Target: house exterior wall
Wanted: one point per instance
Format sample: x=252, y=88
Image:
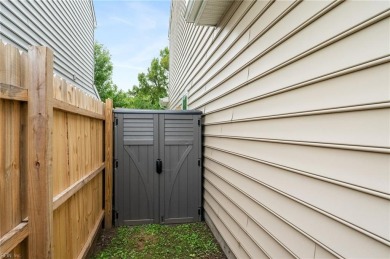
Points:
x=295, y=96
x=67, y=27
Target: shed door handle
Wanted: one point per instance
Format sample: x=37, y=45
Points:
x=159, y=166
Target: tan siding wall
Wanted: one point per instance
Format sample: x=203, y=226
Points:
x=296, y=97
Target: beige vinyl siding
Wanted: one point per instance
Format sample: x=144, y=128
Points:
x=296, y=102
x=65, y=26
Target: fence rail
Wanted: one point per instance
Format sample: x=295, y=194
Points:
x=55, y=160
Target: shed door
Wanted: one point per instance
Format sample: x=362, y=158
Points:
x=136, y=183
x=180, y=182
x=141, y=194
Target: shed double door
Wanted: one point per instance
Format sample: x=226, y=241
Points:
x=157, y=168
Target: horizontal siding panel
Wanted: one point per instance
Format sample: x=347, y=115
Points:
x=196, y=37
x=361, y=209
x=189, y=42
x=296, y=103
x=364, y=169
x=248, y=245
x=23, y=39
x=56, y=14
x=347, y=52
x=251, y=228
x=228, y=236
x=236, y=57
x=7, y=36
x=202, y=47
x=370, y=128
x=343, y=51
x=326, y=230
x=43, y=28
x=342, y=91
x=33, y=23
x=280, y=230
x=220, y=36
x=236, y=39
x=322, y=253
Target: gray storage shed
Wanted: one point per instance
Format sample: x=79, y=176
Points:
x=157, y=169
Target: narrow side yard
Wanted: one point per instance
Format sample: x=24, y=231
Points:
x=158, y=241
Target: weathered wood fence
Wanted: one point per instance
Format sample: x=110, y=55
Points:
x=55, y=160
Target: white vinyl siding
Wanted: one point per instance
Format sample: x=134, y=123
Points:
x=65, y=26
x=296, y=102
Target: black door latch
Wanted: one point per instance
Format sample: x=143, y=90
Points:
x=159, y=166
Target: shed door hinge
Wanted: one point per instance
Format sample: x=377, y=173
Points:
x=198, y=122
x=116, y=163
x=162, y=219
x=116, y=122
x=199, y=162
x=200, y=212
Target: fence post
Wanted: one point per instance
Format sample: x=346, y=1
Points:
x=40, y=158
x=108, y=170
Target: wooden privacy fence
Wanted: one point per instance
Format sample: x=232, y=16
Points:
x=55, y=160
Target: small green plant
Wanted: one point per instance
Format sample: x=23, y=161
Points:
x=162, y=241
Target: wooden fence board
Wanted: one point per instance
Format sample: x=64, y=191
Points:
x=76, y=110
x=12, y=92
x=91, y=236
x=108, y=171
x=14, y=138
x=11, y=188
x=64, y=162
x=75, y=187
x=14, y=237
x=13, y=64
x=40, y=125
x=23, y=159
x=60, y=152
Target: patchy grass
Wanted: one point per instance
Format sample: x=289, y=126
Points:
x=160, y=241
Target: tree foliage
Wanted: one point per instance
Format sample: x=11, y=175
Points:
x=153, y=85
x=103, y=78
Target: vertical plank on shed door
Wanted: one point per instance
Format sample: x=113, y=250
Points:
x=108, y=169
x=40, y=116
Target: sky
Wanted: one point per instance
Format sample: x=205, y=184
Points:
x=134, y=32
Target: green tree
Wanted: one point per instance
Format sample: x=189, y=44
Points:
x=153, y=85
x=103, y=78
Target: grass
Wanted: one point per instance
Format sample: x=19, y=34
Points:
x=162, y=241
